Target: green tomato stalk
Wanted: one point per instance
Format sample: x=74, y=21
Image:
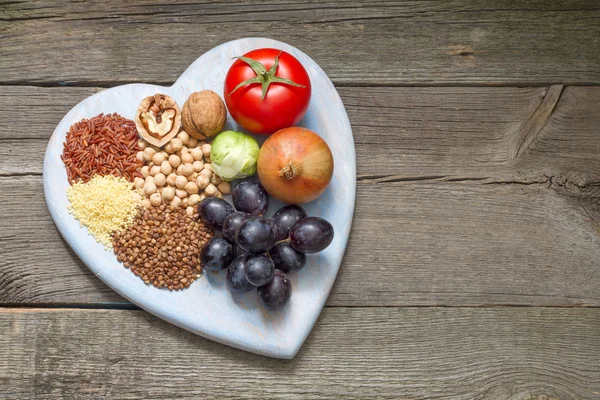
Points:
x=264, y=77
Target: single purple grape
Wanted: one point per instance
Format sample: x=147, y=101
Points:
x=236, y=277
x=216, y=254
x=259, y=269
x=275, y=294
x=256, y=235
x=250, y=197
x=311, y=235
x=286, y=258
x=213, y=212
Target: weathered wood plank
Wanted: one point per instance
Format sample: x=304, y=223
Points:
x=412, y=243
x=400, y=133
x=358, y=353
x=419, y=42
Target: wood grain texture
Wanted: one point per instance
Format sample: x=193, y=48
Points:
x=412, y=243
x=363, y=42
x=467, y=196
x=358, y=353
x=536, y=121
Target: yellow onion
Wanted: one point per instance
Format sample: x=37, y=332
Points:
x=295, y=165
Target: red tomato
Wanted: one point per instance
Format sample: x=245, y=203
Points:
x=284, y=103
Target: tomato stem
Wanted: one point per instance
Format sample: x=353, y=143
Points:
x=264, y=77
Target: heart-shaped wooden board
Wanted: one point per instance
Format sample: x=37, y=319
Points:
x=207, y=308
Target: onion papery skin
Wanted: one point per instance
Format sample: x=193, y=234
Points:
x=295, y=165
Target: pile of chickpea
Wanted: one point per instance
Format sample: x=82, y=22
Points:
x=180, y=174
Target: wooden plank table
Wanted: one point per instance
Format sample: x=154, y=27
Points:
x=473, y=267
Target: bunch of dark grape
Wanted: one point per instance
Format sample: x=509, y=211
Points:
x=258, y=252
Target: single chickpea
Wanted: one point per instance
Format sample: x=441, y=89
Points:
x=200, y=144
x=145, y=171
x=191, y=188
x=156, y=199
x=184, y=137
x=192, y=143
x=184, y=150
x=202, y=197
x=182, y=194
x=171, y=179
x=150, y=164
x=188, y=169
x=168, y=193
x=181, y=181
x=174, y=160
x=140, y=156
x=211, y=190
x=149, y=178
x=207, y=173
x=135, y=196
x=142, y=144
x=176, y=144
x=154, y=170
x=176, y=202
x=202, y=181
x=224, y=187
x=189, y=210
x=206, y=149
x=169, y=148
x=184, y=202
x=179, y=170
x=219, y=195
x=160, y=179
x=158, y=158
x=149, y=188
x=215, y=179
x=196, y=153
x=138, y=183
x=198, y=166
x=149, y=153
x=166, y=168
x=187, y=158
x=191, y=178
x=208, y=166
x=193, y=199
x=146, y=203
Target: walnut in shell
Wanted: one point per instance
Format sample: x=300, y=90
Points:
x=204, y=114
x=158, y=119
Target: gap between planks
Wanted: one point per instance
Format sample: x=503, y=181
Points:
x=28, y=307
x=344, y=84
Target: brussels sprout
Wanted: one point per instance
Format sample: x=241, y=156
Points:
x=233, y=155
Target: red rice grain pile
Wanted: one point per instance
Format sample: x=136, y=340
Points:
x=102, y=145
